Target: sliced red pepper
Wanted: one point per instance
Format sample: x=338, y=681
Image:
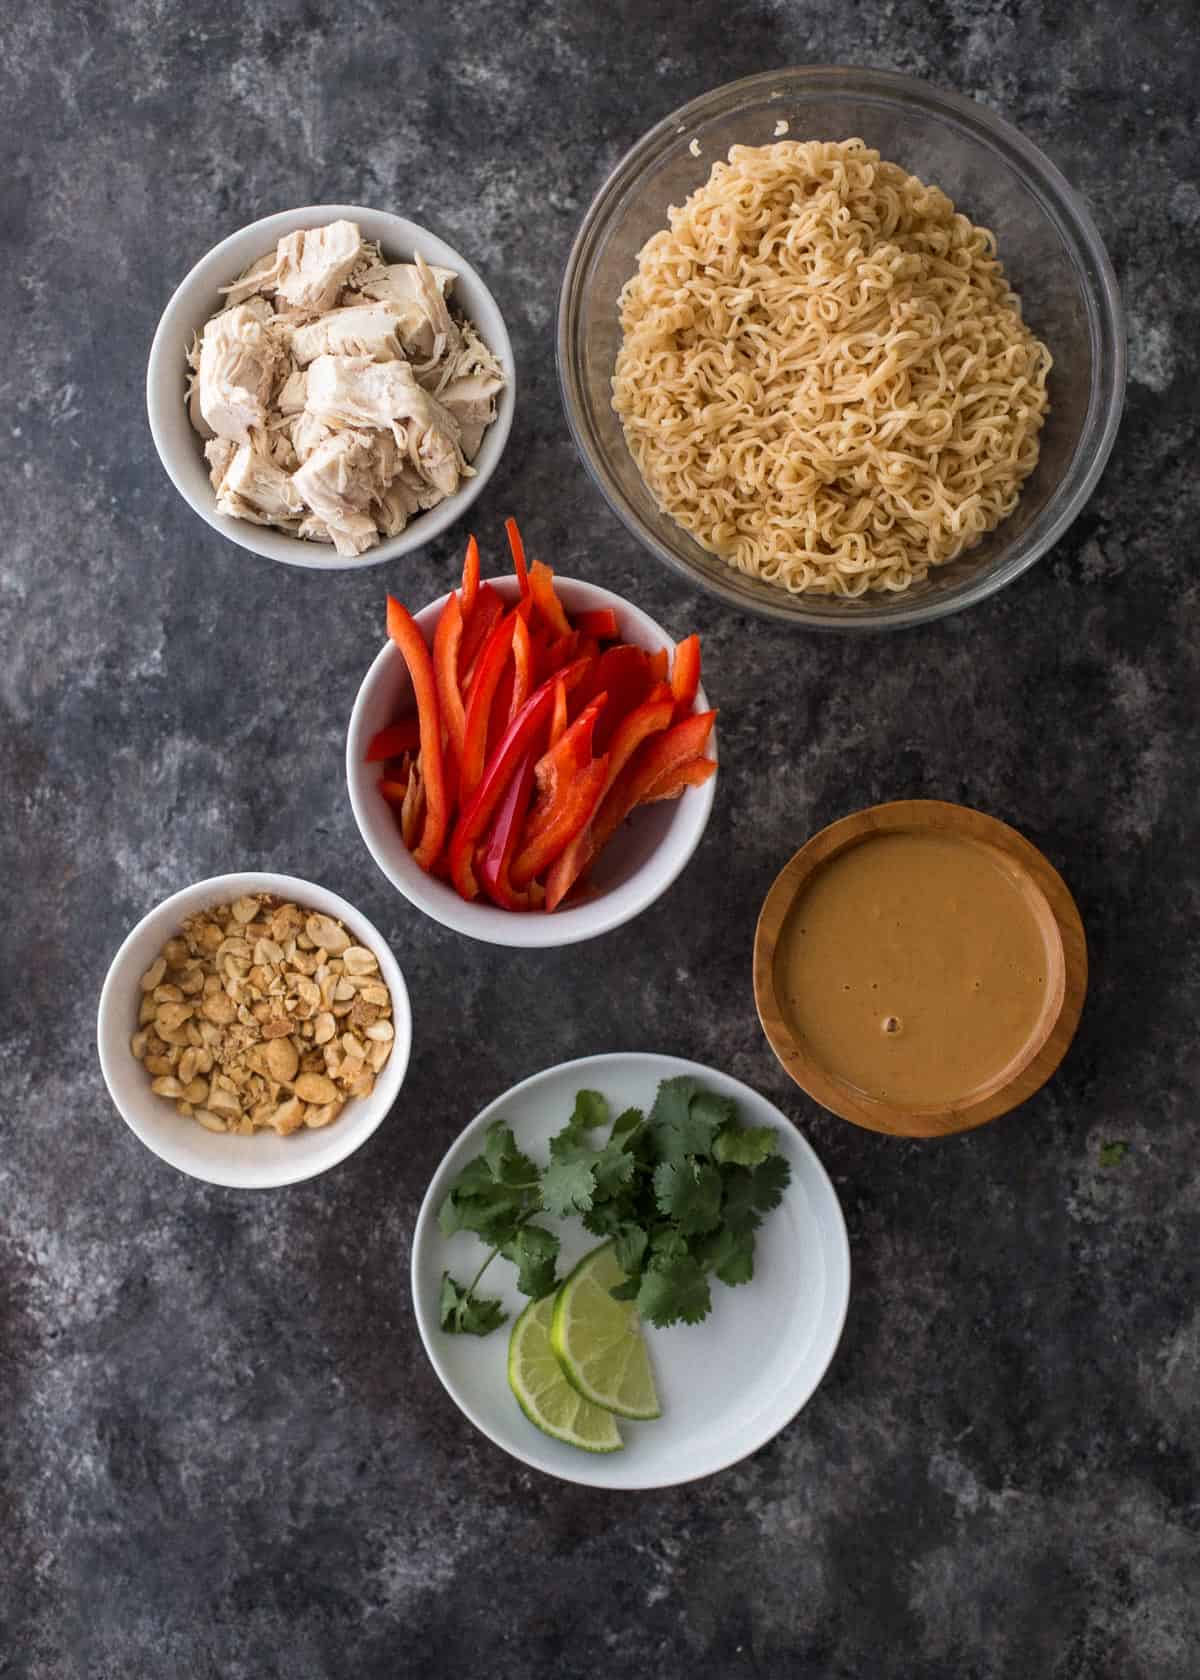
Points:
x=496, y=854
x=470, y=580
x=524, y=733
x=558, y=718
x=447, y=642
x=404, y=631
x=574, y=808
x=517, y=548
x=541, y=587
x=552, y=656
x=392, y=791
x=624, y=674
x=522, y=647
x=395, y=740
x=486, y=614
x=489, y=671
x=659, y=665
x=685, y=675
x=652, y=761
x=560, y=764
x=675, y=782
x=652, y=716
x=600, y=622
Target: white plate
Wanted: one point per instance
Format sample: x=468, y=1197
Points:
x=726, y=1385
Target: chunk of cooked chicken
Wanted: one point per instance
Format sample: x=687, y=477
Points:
x=370, y=329
x=307, y=433
x=419, y=301
x=308, y=269
x=218, y=452
x=254, y=488
x=339, y=481
x=352, y=391
x=292, y=394
x=472, y=401
x=238, y=358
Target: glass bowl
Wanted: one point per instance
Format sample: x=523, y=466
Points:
x=1051, y=252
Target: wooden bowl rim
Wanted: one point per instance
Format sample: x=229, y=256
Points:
x=922, y=816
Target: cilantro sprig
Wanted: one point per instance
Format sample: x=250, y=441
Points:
x=681, y=1191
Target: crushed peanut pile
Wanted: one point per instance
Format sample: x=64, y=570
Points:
x=263, y=1014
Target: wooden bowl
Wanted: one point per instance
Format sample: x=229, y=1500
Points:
x=1059, y=923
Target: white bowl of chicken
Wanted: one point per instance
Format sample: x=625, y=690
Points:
x=331, y=387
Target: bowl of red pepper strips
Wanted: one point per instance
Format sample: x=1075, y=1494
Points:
x=531, y=759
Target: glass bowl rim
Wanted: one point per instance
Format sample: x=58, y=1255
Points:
x=1057, y=199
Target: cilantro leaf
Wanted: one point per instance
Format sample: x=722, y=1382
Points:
x=630, y=1247
x=534, y=1251
x=667, y=1244
x=462, y=1313
x=689, y=1192
x=680, y=1125
x=615, y=1169
x=568, y=1184
x=591, y=1110
x=728, y=1253
x=710, y=1108
x=604, y=1219
x=745, y=1146
x=492, y=1212
x=751, y=1192
x=505, y=1161
x=674, y=1290
x=626, y=1122
x=627, y=1291
x=1112, y=1154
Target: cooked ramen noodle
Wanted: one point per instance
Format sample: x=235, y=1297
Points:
x=824, y=374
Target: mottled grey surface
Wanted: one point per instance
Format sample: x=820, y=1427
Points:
x=224, y=1452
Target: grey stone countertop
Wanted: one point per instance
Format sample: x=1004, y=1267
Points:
x=224, y=1452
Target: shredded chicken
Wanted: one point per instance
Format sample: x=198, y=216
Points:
x=339, y=395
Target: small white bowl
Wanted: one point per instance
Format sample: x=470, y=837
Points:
x=637, y=866
x=263, y=1161
x=197, y=299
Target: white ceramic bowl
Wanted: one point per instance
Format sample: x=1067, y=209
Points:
x=263, y=1161
x=726, y=1385
x=180, y=448
x=635, y=868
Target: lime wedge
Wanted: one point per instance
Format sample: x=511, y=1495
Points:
x=598, y=1341
x=545, y=1395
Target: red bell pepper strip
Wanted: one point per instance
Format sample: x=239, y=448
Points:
x=490, y=669
x=559, y=765
x=573, y=809
x=624, y=674
x=558, y=718
x=652, y=761
x=447, y=641
x=541, y=587
x=675, y=782
x=523, y=733
x=403, y=630
x=652, y=716
x=522, y=647
x=685, y=675
x=658, y=665
x=486, y=614
x=552, y=656
x=470, y=580
x=517, y=548
x=601, y=622
x=496, y=854
x=395, y=740
x=392, y=791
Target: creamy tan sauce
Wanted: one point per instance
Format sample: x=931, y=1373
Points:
x=916, y=967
